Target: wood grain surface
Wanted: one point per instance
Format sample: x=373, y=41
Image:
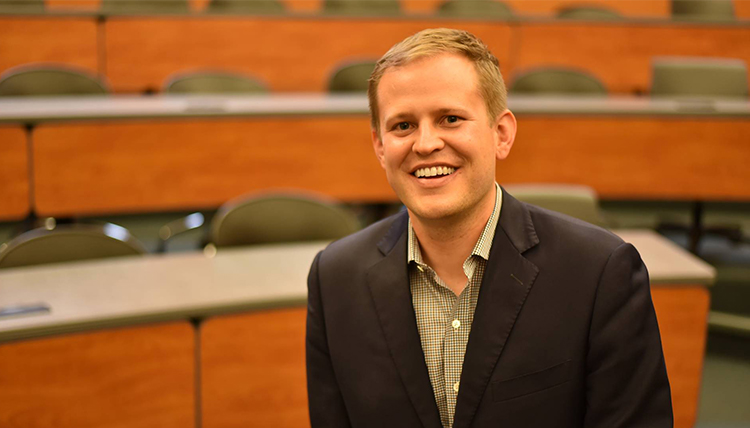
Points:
x=288, y=54
x=634, y=158
x=682, y=312
x=138, y=377
x=149, y=166
x=64, y=40
x=253, y=370
x=14, y=174
x=141, y=166
x=620, y=54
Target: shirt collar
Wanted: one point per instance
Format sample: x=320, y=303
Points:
x=481, y=248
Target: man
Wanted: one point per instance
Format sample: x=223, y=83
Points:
x=472, y=308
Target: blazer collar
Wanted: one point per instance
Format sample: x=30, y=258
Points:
x=507, y=281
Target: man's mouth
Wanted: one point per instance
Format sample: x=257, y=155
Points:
x=435, y=171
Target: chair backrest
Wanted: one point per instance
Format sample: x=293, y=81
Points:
x=588, y=13
x=557, y=80
x=703, y=9
x=48, y=81
x=144, y=7
x=66, y=243
x=362, y=7
x=352, y=77
x=212, y=83
x=699, y=77
x=580, y=202
x=492, y=9
x=280, y=218
x=259, y=7
x=21, y=6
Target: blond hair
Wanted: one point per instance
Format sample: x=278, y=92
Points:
x=436, y=41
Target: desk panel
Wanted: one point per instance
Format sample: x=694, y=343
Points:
x=65, y=40
x=131, y=377
x=150, y=166
x=14, y=175
x=682, y=312
x=288, y=54
x=634, y=157
x=620, y=54
x=253, y=370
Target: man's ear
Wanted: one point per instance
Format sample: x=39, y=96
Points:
x=505, y=128
x=377, y=144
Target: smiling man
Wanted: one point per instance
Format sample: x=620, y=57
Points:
x=472, y=308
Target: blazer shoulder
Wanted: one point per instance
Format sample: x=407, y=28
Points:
x=361, y=248
x=575, y=234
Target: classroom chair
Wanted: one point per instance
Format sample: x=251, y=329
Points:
x=144, y=7
x=558, y=81
x=710, y=10
x=591, y=13
x=489, y=9
x=362, y=7
x=698, y=77
x=249, y=7
x=49, y=80
x=270, y=218
x=212, y=83
x=580, y=202
x=69, y=242
x=351, y=77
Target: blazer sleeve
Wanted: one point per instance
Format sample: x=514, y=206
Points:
x=626, y=378
x=326, y=403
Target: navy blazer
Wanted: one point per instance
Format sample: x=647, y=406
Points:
x=564, y=333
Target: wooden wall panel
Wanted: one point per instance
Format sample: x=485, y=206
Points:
x=14, y=174
x=65, y=40
x=253, y=370
x=146, y=166
x=634, y=158
x=289, y=54
x=138, y=377
x=682, y=312
x=620, y=54
x=742, y=9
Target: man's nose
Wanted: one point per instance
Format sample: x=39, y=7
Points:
x=427, y=141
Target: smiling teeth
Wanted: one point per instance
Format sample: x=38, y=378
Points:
x=434, y=171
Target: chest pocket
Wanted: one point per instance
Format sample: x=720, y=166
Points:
x=532, y=382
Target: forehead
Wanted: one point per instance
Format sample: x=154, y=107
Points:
x=441, y=78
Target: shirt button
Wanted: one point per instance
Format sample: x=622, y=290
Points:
x=456, y=324
x=455, y=387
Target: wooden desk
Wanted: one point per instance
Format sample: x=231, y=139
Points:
x=287, y=53
x=64, y=40
x=103, y=158
x=620, y=53
x=135, y=377
x=14, y=174
x=257, y=280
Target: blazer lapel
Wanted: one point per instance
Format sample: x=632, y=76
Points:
x=507, y=280
x=388, y=281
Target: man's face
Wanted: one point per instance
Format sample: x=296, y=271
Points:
x=437, y=144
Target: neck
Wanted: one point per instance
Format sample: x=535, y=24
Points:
x=446, y=243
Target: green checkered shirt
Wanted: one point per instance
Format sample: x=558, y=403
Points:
x=444, y=319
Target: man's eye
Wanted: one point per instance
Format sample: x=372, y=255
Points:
x=402, y=126
x=452, y=119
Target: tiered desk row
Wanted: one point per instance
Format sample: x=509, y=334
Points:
x=142, y=154
x=202, y=153
x=175, y=340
